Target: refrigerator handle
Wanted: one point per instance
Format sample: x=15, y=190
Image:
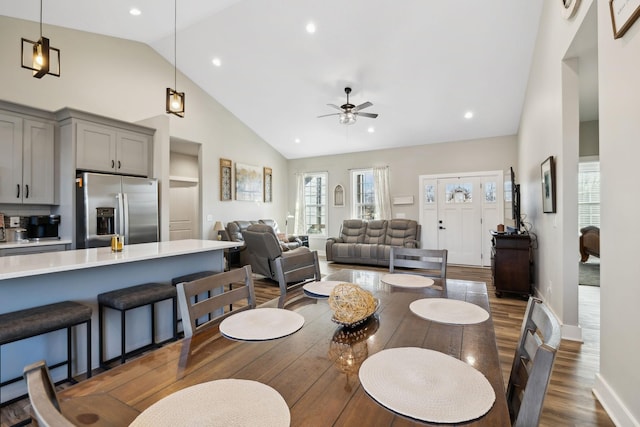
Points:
x=119, y=214
x=125, y=218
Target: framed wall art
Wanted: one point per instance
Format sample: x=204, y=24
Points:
x=548, y=173
x=226, y=192
x=268, y=185
x=623, y=14
x=338, y=196
x=249, y=183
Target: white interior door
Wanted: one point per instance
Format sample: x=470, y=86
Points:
x=183, y=199
x=459, y=219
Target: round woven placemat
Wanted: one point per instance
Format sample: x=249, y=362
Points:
x=407, y=280
x=322, y=288
x=451, y=311
x=223, y=403
x=426, y=385
x=261, y=324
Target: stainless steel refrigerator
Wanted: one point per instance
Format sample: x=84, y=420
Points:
x=115, y=204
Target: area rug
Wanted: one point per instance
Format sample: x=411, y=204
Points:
x=589, y=273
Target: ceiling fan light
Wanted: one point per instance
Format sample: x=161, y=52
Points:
x=347, y=118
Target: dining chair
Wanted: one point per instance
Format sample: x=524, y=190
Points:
x=43, y=397
x=232, y=288
x=294, y=271
x=425, y=262
x=540, y=338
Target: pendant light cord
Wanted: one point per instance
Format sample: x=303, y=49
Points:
x=175, y=45
x=40, y=18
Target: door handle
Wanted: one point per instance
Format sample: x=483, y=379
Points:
x=119, y=164
x=113, y=164
x=442, y=228
x=18, y=193
x=26, y=194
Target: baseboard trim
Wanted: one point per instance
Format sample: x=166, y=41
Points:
x=611, y=403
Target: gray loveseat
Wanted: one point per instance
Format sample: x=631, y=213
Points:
x=369, y=242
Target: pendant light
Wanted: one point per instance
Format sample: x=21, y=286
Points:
x=40, y=56
x=175, y=99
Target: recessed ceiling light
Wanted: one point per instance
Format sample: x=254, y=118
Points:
x=297, y=140
x=216, y=62
x=371, y=129
x=135, y=11
x=311, y=28
x=468, y=115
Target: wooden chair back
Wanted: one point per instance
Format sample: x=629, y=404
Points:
x=43, y=397
x=215, y=292
x=425, y=262
x=540, y=338
x=296, y=270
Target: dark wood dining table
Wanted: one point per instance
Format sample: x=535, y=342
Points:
x=315, y=369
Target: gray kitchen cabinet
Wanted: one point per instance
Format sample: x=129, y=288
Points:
x=109, y=149
x=27, y=174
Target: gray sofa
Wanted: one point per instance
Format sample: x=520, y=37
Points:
x=369, y=242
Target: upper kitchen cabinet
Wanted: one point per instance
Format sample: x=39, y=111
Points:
x=107, y=145
x=27, y=173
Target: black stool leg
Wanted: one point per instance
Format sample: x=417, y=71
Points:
x=175, y=318
x=69, y=353
x=89, y=348
x=153, y=323
x=122, y=335
x=100, y=333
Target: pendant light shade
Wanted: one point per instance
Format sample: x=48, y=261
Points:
x=175, y=99
x=40, y=56
x=175, y=102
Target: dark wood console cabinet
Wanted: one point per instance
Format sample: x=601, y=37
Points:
x=511, y=263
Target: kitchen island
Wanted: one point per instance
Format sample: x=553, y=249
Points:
x=80, y=275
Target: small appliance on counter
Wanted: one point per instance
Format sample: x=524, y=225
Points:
x=43, y=227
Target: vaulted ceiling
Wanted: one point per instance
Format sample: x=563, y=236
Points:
x=423, y=64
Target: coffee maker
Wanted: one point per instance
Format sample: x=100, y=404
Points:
x=43, y=227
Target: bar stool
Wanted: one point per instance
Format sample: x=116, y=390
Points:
x=31, y=322
x=127, y=299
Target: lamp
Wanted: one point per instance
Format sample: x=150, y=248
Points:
x=39, y=56
x=175, y=99
x=347, y=118
x=286, y=223
x=218, y=227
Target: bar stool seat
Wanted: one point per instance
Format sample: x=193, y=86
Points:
x=31, y=322
x=127, y=299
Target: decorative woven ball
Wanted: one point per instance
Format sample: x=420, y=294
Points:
x=351, y=303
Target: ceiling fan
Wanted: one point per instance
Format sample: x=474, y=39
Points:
x=349, y=112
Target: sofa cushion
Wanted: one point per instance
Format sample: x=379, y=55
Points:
x=353, y=231
x=401, y=232
x=235, y=229
x=376, y=231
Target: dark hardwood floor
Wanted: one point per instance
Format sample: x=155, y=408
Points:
x=569, y=400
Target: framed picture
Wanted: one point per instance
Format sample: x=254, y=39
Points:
x=338, y=196
x=226, y=192
x=249, y=183
x=548, y=186
x=268, y=181
x=623, y=14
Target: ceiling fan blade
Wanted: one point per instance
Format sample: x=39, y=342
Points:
x=363, y=106
x=332, y=114
x=370, y=115
x=335, y=106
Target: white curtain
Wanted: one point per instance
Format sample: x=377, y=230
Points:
x=382, y=192
x=300, y=224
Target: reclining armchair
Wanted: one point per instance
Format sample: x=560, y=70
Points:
x=287, y=242
x=263, y=248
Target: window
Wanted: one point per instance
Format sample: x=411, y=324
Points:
x=315, y=202
x=588, y=194
x=363, y=191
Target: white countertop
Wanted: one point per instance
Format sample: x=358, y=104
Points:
x=15, y=266
x=30, y=243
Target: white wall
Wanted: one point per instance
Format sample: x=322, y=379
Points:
x=549, y=127
x=405, y=166
x=589, y=138
x=127, y=81
x=619, y=61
